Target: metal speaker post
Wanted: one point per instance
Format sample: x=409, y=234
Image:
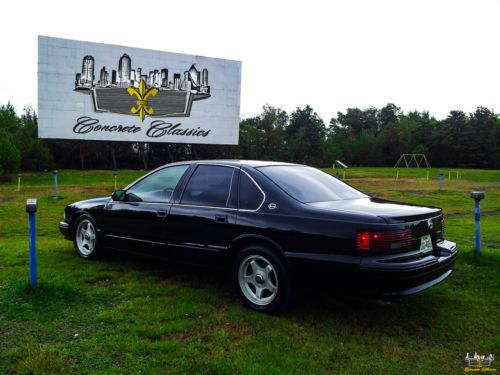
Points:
x=55, y=172
x=31, y=208
x=477, y=196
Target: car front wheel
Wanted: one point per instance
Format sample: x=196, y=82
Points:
x=262, y=279
x=85, y=238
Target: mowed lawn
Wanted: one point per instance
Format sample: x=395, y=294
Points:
x=128, y=315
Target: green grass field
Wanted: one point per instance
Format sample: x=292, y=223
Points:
x=128, y=315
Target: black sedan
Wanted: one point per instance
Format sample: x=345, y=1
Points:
x=276, y=226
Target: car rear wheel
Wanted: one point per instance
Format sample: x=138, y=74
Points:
x=262, y=279
x=85, y=238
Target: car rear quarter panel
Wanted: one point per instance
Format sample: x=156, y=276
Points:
x=301, y=228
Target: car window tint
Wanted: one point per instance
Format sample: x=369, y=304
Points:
x=308, y=184
x=209, y=186
x=159, y=186
x=250, y=196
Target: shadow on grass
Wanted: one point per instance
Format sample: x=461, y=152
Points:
x=164, y=270
x=312, y=306
x=42, y=303
x=181, y=291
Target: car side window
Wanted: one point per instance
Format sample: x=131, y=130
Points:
x=159, y=186
x=209, y=185
x=250, y=196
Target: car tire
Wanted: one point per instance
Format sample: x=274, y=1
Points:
x=262, y=279
x=85, y=238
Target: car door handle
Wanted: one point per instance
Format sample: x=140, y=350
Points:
x=161, y=213
x=221, y=219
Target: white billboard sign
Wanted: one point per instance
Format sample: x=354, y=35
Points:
x=93, y=91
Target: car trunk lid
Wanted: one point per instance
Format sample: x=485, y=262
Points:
x=391, y=212
x=424, y=222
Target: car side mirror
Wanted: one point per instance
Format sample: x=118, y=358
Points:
x=118, y=195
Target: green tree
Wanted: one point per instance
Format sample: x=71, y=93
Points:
x=272, y=123
x=480, y=146
x=9, y=121
x=496, y=127
x=451, y=138
x=263, y=137
x=305, y=137
x=389, y=114
x=9, y=154
x=35, y=155
x=250, y=138
x=357, y=121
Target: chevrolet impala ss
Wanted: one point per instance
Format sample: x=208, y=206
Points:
x=275, y=226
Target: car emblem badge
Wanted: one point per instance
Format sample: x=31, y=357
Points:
x=430, y=224
x=272, y=206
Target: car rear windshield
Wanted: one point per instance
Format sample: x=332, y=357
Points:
x=308, y=184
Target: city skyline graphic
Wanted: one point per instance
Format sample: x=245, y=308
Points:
x=121, y=91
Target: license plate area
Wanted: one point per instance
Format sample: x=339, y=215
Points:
x=426, y=244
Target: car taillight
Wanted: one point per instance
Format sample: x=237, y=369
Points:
x=384, y=242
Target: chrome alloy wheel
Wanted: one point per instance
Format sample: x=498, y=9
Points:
x=258, y=280
x=85, y=237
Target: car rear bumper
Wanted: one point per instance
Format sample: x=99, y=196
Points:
x=404, y=275
x=64, y=229
x=386, y=276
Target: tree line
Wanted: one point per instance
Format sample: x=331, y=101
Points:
x=362, y=137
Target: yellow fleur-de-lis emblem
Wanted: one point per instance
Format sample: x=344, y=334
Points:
x=142, y=99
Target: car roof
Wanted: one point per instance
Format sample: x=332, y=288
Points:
x=236, y=162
